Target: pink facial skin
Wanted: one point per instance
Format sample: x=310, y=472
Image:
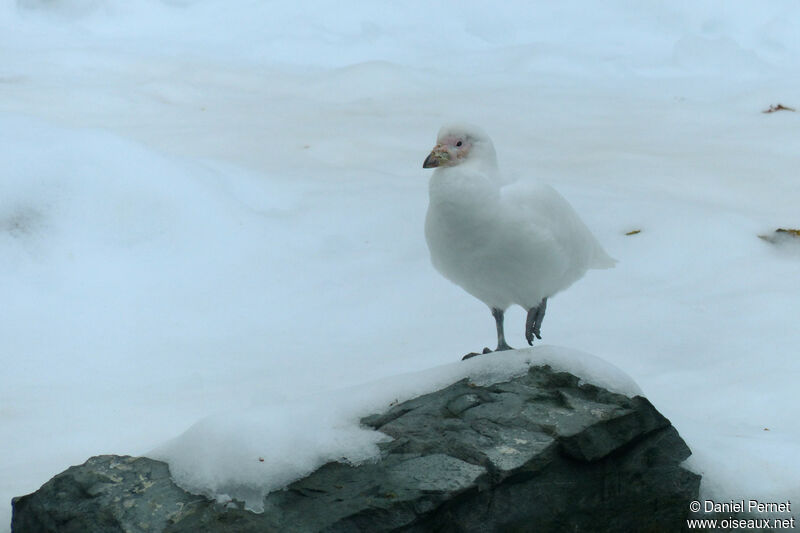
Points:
x=449, y=152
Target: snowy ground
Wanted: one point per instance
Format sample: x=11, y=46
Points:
x=209, y=208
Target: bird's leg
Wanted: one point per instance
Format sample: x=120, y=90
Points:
x=501, y=337
x=533, y=324
x=498, y=315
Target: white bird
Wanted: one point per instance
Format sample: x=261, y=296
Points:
x=504, y=244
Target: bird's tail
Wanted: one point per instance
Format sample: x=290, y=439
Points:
x=601, y=259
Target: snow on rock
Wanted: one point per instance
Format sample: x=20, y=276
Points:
x=460, y=456
x=247, y=453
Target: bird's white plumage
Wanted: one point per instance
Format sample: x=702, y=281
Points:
x=512, y=244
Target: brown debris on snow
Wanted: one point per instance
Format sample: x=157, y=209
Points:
x=778, y=107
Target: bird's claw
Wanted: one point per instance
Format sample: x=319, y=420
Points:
x=533, y=324
x=530, y=335
x=470, y=355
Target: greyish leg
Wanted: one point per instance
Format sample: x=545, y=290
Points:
x=533, y=324
x=498, y=315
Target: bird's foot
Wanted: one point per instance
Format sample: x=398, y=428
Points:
x=531, y=334
x=533, y=323
x=500, y=348
x=470, y=355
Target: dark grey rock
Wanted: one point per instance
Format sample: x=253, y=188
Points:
x=538, y=453
x=106, y=493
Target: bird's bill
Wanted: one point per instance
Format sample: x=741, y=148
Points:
x=437, y=157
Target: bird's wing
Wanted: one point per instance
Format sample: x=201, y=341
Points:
x=546, y=213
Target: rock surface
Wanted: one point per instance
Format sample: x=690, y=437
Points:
x=542, y=452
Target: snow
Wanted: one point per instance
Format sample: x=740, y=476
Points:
x=247, y=453
x=211, y=208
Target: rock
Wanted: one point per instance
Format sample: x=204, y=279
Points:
x=106, y=493
x=542, y=452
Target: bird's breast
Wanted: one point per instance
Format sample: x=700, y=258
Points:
x=461, y=248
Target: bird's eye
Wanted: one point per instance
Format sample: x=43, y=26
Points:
x=459, y=143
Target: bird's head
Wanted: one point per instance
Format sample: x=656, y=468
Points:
x=460, y=143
